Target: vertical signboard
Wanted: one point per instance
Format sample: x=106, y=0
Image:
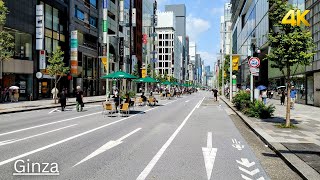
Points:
x=39, y=27
x=134, y=19
x=74, y=52
x=42, y=59
x=235, y=63
x=105, y=21
x=121, y=18
x=121, y=50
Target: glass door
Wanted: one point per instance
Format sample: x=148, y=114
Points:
x=310, y=90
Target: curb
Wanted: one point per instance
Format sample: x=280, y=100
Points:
x=46, y=107
x=293, y=161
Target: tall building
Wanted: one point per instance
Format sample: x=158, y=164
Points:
x=192, y=62
x=147, y=30
x=250, y=25
x=180, y=14
x=168, y=42
x=84, y=16
x=137, y=49
x=52, y=31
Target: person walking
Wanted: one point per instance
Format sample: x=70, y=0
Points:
x=293, y=97
x=264, y=97
x=79, y=99
x=215, y=94
x=63, y=99
x=282, y=97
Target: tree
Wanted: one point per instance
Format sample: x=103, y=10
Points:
x=291, y=46
x=149, y=70
x=136, y=70
x=56, y=67
x=6, y=39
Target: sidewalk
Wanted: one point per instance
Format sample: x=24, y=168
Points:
x=300, y=147
x=42, y=104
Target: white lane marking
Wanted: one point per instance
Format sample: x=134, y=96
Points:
x=107, y=146
x=33, y=127
x=237, y=144
x=245, y=162
x=72, y=137
x=54, y=110
x=198, y=105
x=6, y=141
x=209, y=155
x=187, y=101
x=253, y=172
x=17, y=140
x=155, y=159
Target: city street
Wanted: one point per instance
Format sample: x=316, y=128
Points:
x=191, y=137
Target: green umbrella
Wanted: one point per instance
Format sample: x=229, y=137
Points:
x=119, y=75
x=147, y=80
x=166, y=83
x=175, y=83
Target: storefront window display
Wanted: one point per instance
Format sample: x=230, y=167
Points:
x=310, y=90
x=299, y=83
x=22, y=44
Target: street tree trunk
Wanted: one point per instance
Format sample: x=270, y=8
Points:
x=55, y=90
x=288, y=96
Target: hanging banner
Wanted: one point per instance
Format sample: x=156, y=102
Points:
x=235, y=63
x=39, y=27
x=121, y=50
x=74, y=53
x=121, y=11
x=42, y=59
x=104, y=61
x=144, y=72
x=105, y=21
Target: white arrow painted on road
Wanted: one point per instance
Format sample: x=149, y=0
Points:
x=245, y=162
x=107, y=146
x=253, y=172
x=209, y=155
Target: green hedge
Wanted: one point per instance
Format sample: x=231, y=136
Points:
x=256, y=109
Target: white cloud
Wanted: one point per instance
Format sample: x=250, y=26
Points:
x=209, y=58
x=217, y=11
x=196, y=27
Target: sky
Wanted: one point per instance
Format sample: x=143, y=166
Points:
x=203, y=25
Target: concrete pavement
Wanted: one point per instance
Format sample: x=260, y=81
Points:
x=184, y=138
x=298, y=147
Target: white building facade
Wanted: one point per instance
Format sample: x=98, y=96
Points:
x=169, y=47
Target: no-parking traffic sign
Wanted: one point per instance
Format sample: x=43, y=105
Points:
x=254, y=62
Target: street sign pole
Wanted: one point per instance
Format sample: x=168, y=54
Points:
x=254, y=63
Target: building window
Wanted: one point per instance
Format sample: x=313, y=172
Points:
x=93, y=21
x=79, y=14
x=93, y=3
x=55, y=20
x=167, y=36
x=48, y=16
x=22, y=44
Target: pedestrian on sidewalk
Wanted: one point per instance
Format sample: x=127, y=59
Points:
x=283, y=97
x=63, y=99
x=79, y=99
x=293, y=97
x=215, y=94
x=264, y=96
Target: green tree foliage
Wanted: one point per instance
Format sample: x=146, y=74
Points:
x=56, y=67
x=291, y=46
x=136, y=70
x=6, y=39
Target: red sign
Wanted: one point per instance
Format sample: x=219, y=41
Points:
x=145, y=39
x=254, y=62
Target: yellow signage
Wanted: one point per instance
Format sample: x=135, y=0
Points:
x=104, y=61
x=235, y=63
x=143, y=72
x=293, y=21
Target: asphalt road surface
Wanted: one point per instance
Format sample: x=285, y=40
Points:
x=192, y=137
